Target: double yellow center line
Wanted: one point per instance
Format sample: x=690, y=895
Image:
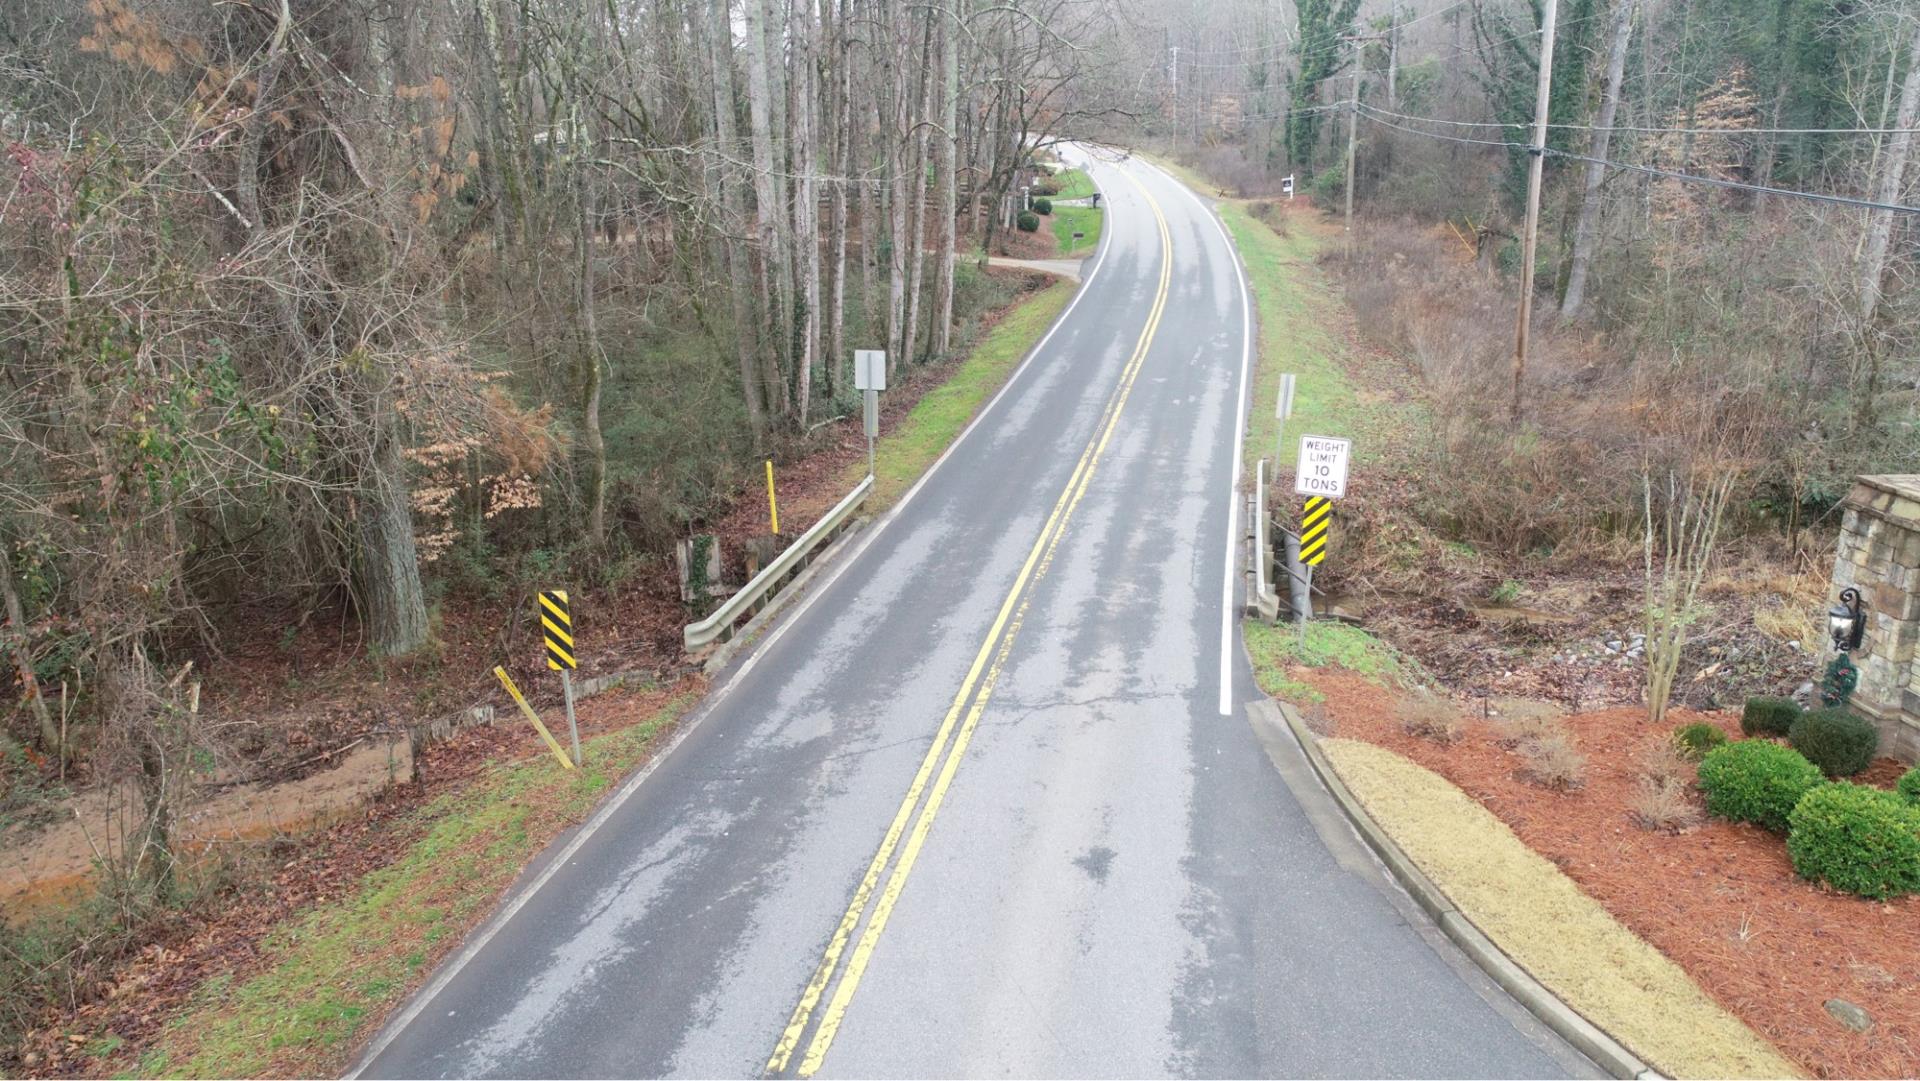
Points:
x=970, y=702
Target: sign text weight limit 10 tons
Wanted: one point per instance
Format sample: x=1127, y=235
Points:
x=1322, y=466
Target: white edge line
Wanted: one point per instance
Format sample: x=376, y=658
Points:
x=1239, y=439
x=450, y=970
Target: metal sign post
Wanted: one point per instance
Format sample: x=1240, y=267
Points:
x=1282, y=410
x=870, y=378
x=1286, y=185
x=556, y=620
x=1314, y=523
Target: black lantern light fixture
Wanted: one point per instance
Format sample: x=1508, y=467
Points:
x=1847, y=621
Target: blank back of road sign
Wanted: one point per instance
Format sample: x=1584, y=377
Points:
x=556, y=620
x=1313, y=530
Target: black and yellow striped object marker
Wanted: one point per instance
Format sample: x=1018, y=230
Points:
x=1313, y=530
x=556, y=619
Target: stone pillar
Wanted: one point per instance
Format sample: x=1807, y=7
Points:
x=1879, y=554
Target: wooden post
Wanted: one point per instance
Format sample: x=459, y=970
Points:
x=1528, y=241
x=1353, y=125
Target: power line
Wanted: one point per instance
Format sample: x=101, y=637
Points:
x=1336, y=107
x=1431, y=14
x=1500, y=38
x=1816, y=196
x=1283, y=45
x=1655, y=131
x=1367, y=111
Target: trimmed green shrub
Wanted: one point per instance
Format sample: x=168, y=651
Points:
x=1836, y=740
x=1695, y=740
x=1858, y=839
x=1756, y=781
x=1028, y=221
x=1768, y=716
x=1043, y=206
x=1837, y=684
x=1909, y=786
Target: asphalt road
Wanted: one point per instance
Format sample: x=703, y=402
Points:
x=989, y=802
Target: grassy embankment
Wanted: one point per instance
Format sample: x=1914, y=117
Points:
x=1299, y=316
x=1068, y=220
x=1074, y=184
x=342, y=964
x=905, y=452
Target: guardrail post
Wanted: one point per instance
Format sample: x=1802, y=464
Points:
x=1266, y=596
x=754, y=596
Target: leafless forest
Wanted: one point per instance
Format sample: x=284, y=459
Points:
x=1725, y=231
x=326, y=307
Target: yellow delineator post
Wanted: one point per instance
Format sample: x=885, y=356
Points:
x=556, y=620
x=773, y=507
x=552, y=744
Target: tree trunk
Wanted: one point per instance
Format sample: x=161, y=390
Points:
x=806, y=227
x=720, y=54
x=949, y=179
x=1892, y=178
x=837, y=219
x=917, y=218
x=897, y=152
x=769, y=210
x=393, y=606
x=592, y=442
x=513, y=142
x=23, y=661
x=1584, y=231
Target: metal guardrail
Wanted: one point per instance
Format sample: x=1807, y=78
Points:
x=1265, y=595
x=719, y=625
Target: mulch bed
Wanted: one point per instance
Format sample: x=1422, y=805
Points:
x=1720, y=899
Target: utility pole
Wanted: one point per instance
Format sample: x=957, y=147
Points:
x=1175, y=78
x=1538, y=152
x=1353, y=129
x=1353, y=126
x=1393, y=56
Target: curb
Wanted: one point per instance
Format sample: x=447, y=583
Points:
x=1606, y=1052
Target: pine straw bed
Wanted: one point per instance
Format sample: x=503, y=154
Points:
x=1721, y=900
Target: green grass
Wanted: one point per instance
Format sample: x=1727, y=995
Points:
x=1186, y=176
x=1074, y=184
x=1070, y=219
x=1275, y=651
x=904, y=453
x=1298, y=308
x=344, y=961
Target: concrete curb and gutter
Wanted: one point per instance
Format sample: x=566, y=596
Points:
x=1606, y=1052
